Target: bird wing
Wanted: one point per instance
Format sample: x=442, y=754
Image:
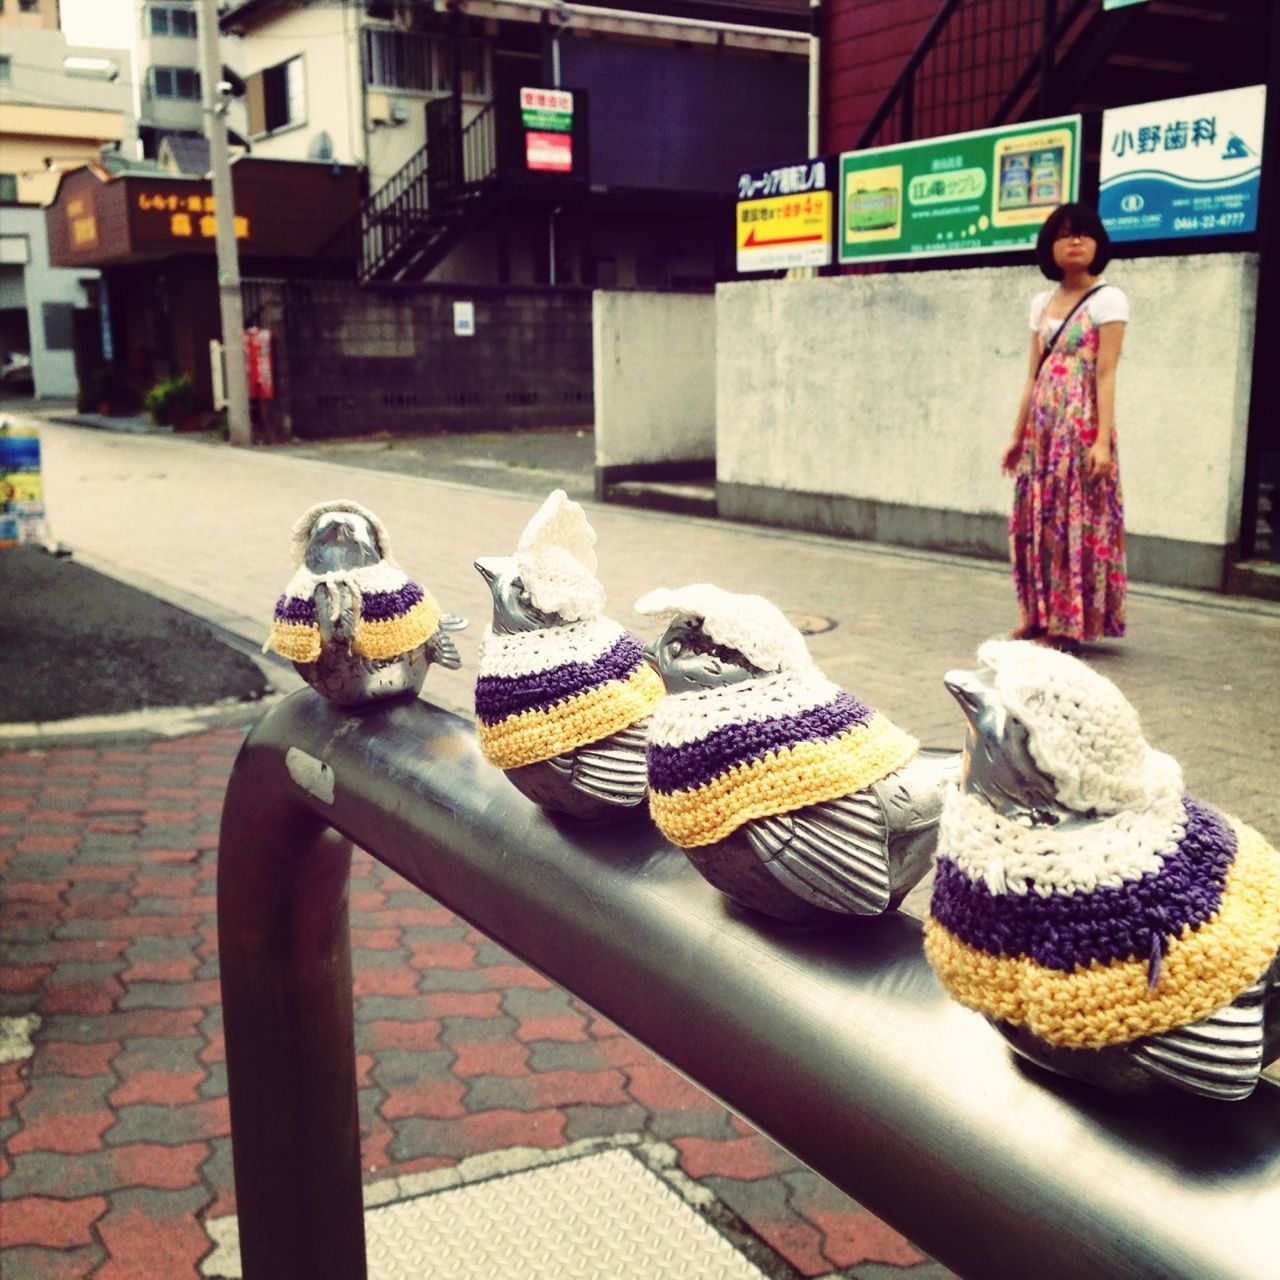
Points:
x=834, y=854
x=612, y=769
x=1218, y=1057
x=442, y=650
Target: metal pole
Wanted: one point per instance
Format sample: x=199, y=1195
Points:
x=229, y=303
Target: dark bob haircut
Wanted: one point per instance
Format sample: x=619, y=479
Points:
x=1080, y=220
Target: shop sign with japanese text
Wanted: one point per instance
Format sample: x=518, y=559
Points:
x=1182, y=167
x=163, y=215
x=784, y=217
x=547, y=117
x=982, y=192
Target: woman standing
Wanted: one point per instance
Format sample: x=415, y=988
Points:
x=1066, y=533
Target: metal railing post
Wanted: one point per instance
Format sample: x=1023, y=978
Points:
x=285, y=958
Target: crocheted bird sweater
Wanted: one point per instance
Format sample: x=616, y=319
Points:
x=1126, y=927
x=545, y=693
x=393, y=613
x=720, y=757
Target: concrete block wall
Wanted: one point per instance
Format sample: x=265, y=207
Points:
x=357, y=361
x=655, y=395
x=877, y=406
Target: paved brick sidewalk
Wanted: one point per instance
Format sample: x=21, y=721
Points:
x=114, y=1146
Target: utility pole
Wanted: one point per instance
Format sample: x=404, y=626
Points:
x=216, y=100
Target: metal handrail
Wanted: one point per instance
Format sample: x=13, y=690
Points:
x=403, y=203
x=995, y=49
x=836, y=1041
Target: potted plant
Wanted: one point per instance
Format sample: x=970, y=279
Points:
x=174, y=402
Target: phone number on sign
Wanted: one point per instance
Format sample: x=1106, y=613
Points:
x=1209, y=222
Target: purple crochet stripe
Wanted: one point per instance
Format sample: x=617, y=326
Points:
x=375, y=606
x=1067, y=931
x=500, y=697
x=295, y=609
x=696, y=763
x=382, y=606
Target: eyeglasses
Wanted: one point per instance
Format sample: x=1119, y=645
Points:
x=1073, y=235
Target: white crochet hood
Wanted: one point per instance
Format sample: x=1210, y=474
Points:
x=1082, y=731
x=752, y=625
x=306, y=525
x=556, y=560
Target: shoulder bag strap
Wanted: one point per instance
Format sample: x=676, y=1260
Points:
x=1061, y=329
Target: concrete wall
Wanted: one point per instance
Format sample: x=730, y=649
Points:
x=353, y=361
x=49, y=294
x=655, y=398
x=878, y=406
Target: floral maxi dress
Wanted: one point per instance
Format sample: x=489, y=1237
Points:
x=1066, y=532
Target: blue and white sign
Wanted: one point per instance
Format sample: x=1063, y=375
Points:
x=1183, y=167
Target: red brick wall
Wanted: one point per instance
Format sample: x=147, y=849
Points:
x=866, y=45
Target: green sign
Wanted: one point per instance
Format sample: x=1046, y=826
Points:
x=547, y=110
x=1120, y=4
x=982, y=192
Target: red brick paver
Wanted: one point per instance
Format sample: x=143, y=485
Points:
x=115, y=1146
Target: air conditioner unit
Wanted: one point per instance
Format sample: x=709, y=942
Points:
x=382, y=108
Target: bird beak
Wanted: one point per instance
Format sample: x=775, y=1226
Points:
x=968, y=690
x=490, y=567
x=651, y=654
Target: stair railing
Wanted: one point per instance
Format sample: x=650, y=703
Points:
x=399, y=208
x=973, y=68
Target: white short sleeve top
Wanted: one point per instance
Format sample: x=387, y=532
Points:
x=1108, y=304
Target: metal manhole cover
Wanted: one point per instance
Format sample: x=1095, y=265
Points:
x=810, y=624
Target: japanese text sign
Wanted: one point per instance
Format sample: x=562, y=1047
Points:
x=165, y=216
x=982, y=192
x=1182, y=167
x=784, y=217
x=547, y=117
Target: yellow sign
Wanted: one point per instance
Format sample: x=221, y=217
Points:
x=784, y=231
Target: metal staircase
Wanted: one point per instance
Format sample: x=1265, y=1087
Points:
x=411, y=223
x=981, y=64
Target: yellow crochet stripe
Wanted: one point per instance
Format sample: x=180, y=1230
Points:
x=1110, y=1004
x=395, y=636
x=297, y=641
x=536, y=735
x=300, y=641
x=781, y=781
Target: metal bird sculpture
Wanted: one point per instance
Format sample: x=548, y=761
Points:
x=354, y=625
x=787, y=793
x=1111, y=927
x=564, y=694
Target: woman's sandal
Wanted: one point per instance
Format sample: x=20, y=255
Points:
x=1063, y=644
x=1028, y=631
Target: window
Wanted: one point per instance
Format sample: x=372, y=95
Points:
x=28, y=6
x=6, y=65
x=422, y=63
x=8, y=187
x=175, y=82
x=167, y=21
x=277, y=97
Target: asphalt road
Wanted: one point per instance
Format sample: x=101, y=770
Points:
x=74, y=643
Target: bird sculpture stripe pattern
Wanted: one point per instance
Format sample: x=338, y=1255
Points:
x=751, y=762
x=1130, y=958
x=395, y=614
x=541, y=694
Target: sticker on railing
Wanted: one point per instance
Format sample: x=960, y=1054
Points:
x=312, y=775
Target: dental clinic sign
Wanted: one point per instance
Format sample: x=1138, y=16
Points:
x=1183, y=167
